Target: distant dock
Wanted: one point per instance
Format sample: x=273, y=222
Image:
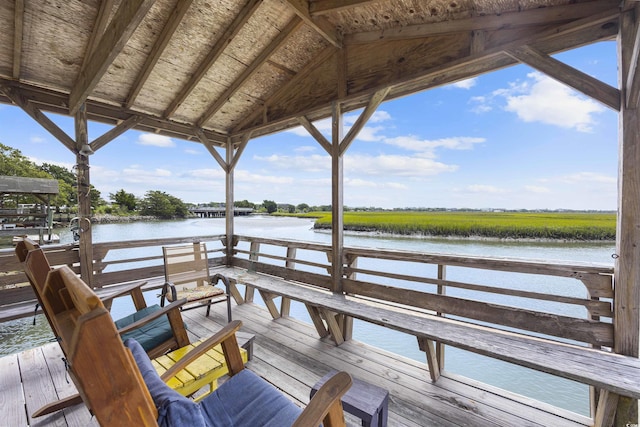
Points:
x=220, y=212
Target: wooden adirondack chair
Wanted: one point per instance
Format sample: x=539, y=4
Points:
x=161, y=329
x=121, y=387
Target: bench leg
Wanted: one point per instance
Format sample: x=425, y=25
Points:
x=432, y=359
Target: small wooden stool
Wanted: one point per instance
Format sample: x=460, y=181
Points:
x=204, y=371
x=366, y=401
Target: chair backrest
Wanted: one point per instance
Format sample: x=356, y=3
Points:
x=102, y=369
x=36, y=267
x=186, y=264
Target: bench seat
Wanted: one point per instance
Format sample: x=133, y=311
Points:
x=609, y=371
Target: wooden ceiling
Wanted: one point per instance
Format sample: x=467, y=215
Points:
x=208, y=70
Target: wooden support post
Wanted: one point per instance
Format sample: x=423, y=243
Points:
x=442, y=290
x=337, y=199
x=84, y=196
x=229, y=201
x=254, y=249
x=285, y=306
x=627, y=268
x=347, y=328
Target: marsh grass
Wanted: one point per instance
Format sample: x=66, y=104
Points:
x=503, y=225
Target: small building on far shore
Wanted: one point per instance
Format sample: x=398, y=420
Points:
x=25, y=207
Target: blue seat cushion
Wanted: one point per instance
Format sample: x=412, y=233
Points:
x=247, y=400
x=150, y=335
x=173, y=408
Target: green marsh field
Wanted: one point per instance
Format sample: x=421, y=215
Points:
x=501, y=225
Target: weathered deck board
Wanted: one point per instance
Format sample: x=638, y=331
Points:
x=11, y=398
x=288, y=353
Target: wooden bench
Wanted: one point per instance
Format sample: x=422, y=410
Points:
x=614, y=374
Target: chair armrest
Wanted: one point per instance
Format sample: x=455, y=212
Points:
x=214, y=281
x=134, y=290
x=164, y=310
x=227, y=337
x=169, y=287
x=326, y=407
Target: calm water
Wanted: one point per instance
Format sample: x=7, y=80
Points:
x=21, y=334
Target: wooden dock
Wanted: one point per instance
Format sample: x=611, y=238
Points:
x=288, y=353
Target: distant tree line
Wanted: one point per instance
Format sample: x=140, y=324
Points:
x=154, y=203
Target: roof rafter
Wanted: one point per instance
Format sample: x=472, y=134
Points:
x=241, y=18
x=321, y=7
x=594, y=88
x=158, y=48
x=320, y=24
x=18, y=24
x=56, y=102
x=102, y=20
x=251, y=70
x=124, y=23
x=602, y=26
x=489, y=22
x=317, y=59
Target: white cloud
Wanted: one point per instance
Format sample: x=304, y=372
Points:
x=395, y=165
x=543, y=99
x=313, y=163
x=465, y=84
x=479, y=188
x=413, y=143
x=193, y=152
x=305, y=149
x=380, y=116
x=585, y=177
x=155, y=140
x=37, y=139
x=537, y=189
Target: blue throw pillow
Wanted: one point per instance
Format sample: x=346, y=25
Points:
x=173, y=408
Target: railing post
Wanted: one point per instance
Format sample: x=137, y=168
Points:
x=442, y=290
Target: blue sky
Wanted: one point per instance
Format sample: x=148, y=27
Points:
x=512, y=139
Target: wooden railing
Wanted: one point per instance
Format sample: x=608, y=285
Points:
x=566, y=301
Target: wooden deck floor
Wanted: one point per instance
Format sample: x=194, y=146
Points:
x=288, y=353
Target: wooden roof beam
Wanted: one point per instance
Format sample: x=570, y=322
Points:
x=632, y=88
x=23, y=102
x=315, y=133
x=320, y=24
x=241, y=18
x=18, y=24
x=118, y=130
x=322, y=7
x=158, y=48
x=124, y=23
x=362, y=120
x=576, y=79
x=102, y=20
x=489, y=22
x=251, y=70
x=210, y=147
x=575, y=33
x=310, y=67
